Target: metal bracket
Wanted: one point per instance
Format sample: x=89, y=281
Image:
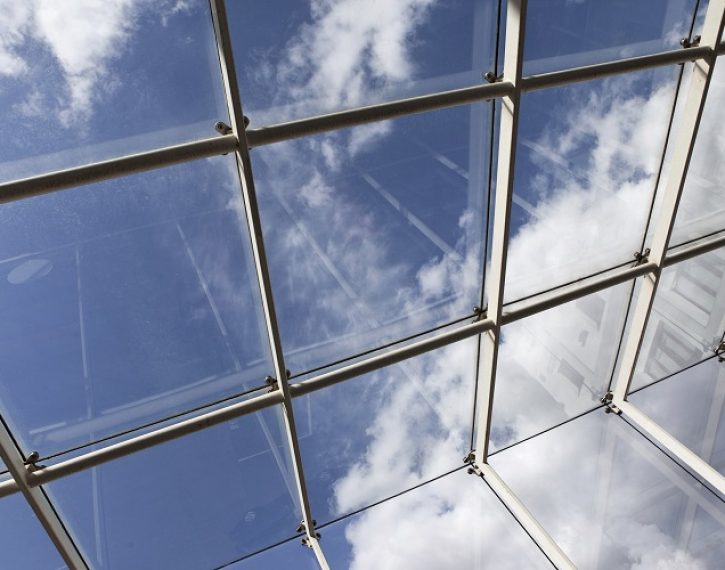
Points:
x=222, y=128
x=473, y=469
x=303, y=528
x=719, y=350
x=687, y=43
x=470, y=458
x=478, y=313
x=611, y=408
x=491, y=77
x=641, y=257
x=271, y=381
x=32, y=462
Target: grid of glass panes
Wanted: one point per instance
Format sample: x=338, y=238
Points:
x=441, y=231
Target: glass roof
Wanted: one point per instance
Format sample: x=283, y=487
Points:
x=346, y=284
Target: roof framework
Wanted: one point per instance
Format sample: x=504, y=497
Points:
x=28, y=478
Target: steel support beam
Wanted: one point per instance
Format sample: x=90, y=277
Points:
x=686, y=133
x=676, y=449
x=107, y=169
x=39, y=502
x=496, y=275
x=254, y=223
x=524, y=517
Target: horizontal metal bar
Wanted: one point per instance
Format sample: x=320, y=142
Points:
x=529, y=523
x=700, y=247
x=379, y=112
x=389, y=358
x=577, y=291
x=371, y=364
x=150, y=439
x=78, y=176
x=676, y=449
x=599, y=70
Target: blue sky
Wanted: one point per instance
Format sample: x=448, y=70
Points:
x=134, y=299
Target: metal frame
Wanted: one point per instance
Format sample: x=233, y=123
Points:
x=28, y=478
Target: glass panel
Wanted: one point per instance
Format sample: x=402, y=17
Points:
x=374, y=233
x=125, y=302
x=291, y=554
x=379, y=434
x=454, y=522
x=687, y=319
x=196, y=502
x=587, y=161
x=701, y=211
x=690, y=405
x=23, y=542
x=556, y=364
x=67, y=74
x=298, y=59
x=611, y=499
x=570, y=33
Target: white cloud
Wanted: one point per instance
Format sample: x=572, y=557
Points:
x=84, y=37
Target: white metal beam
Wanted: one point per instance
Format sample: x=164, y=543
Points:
x=254, y=225
x=685, y=133
x=679, y=451
x=532, y=527
x=496, y=276
x=39, y=502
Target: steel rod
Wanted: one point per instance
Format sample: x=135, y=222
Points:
x=107, y=169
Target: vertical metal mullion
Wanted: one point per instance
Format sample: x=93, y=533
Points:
x=39, y=502
x=684, y=143
x=254, y=225
x=508, y=120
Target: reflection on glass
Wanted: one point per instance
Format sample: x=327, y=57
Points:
x=298, y=59
x=701, y=210
x=374, y=436
x=690, y=406
x=611, y=499
x=453, y=522
x=291, y=555
x=687, y=319
x=556, y=364
x=23, y=541
x=587, y=161
x=570, y=33
x=92, y=80
x=201, y=501
x=374, y=233
x=124, y=302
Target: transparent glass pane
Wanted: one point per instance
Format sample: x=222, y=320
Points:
x=379, y=434
x=200, y=501
x=374, y=233
x=125, y=302
x=690, y=406
x=298, y=59
x=687, y=319
x=611, y=499
x=570, y=33
x=453, y=522
x=292, y=554
x=23, y=542
x=701, y=211
x=556, y=364
x=587, y=161
x=90, y=80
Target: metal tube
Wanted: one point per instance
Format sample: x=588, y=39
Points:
x=689, y=251
x=532, y=527
x=378, y=112
x=680, y=452
x=599, y=70
x=80, y=175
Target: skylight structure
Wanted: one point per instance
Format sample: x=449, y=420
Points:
x=348, y=284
